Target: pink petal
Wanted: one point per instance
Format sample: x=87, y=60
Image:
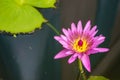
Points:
x=79, y=27
x=72, y=58
x=57, y=38
x=64, y=38
x=69, y=52
x=87, y=27
x=80, y=55
x=65, y=32
x=61, y=54
x=101, y=49
x=73, y=28
x=93, y=30
x=67, y=46
x=61, y=37
x=69, y=31
x=86, y=62
x=63, y=42
x=70, y=35
x=98, y=40
x=100, y=37
x=94, y=33
x=97, y=43
x=92, y=52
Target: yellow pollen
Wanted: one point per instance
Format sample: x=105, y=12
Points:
x=80, y=45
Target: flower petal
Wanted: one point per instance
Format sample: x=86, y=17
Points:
x=69, y=52
x=98, y=40
x=100, y=37
x=86, y=62
x=65, y=32
x=92, y=30
x=70, y=35
x=101, y=49
x=73, y=28
x=72, y=58
x=94, y=33
x=98, y=43
x=79, y=27
x=57, y=38
x=80, y=56
x=64, y=38
x=63, y=42
x=92, y=52
x=87, y=27
x=62, y=54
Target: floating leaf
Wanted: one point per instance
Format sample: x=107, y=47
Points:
x=97, y=78
x=19, y=16
x=40, y=3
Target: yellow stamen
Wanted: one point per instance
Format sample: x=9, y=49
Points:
x=80, y=45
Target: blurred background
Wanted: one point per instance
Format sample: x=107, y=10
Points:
x=30, y=56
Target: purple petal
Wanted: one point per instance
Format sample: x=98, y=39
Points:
x=86, y=62
x=87, y=27
x=98, y=40
x=57, y=38
x=62, y=54
x=80, y=55
x=100, y=37
x=63, y=42
x=93, y=30
x=97, y=43
x=65, y=32
x=69, y=52
x=64, y=38
x=67, y=46
x=101, y=49
x=73, y=27
x=72, y=58
x=94, y=33
x=92, y=52
x=79, y=27
x=70, y=35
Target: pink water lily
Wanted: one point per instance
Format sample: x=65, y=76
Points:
x=80, y=43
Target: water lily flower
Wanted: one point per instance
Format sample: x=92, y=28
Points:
x=80, y=43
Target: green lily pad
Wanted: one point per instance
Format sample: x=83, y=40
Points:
x=19, y=16
x=97, y=78
x=39, y=3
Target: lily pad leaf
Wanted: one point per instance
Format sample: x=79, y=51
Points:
x=19, y=16
x=40, y=3
x=97, y=78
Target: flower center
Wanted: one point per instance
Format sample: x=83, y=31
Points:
x=80, y=45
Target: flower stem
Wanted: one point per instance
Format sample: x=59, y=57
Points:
x=53, y=28
x=82, y=73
